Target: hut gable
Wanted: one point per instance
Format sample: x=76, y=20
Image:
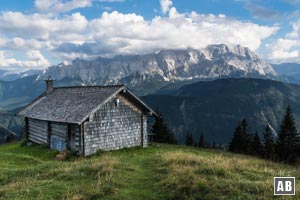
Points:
x=117, y=124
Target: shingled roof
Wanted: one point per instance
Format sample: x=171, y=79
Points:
x=72, y=104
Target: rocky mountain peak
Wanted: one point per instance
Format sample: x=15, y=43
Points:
x=214, y=61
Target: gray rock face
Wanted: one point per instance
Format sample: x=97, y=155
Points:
x=212, y=62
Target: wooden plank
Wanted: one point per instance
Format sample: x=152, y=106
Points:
x=38, y=123
x=58, y=126
x=37, y=129
x=31, y=136
x=35, y=140
x=43, y=134
x=58, y=131
x=38, y=134
x=60, y=138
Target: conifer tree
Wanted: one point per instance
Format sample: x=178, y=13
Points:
x=202, y=143
x=256, y=146
x=235, y=144
x=189, y=139
x=246, y=138
x=287, y=143
x=268, y=144
x=242, y=139
x=161, y=131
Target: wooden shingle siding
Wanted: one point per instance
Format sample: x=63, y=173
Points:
x=145, y=134
x=115, y=126
x=37, y=131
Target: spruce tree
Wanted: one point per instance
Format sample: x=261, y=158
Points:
x=268, y=144
x=161, y=131
x=202, y=143
x=287, y=143
x=246, y=138
x=189, y=139
x=256, y=146
x=235, y=144
x=242, y=139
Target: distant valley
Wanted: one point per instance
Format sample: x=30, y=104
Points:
x=215, y=107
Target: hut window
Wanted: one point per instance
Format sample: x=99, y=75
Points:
x=117, y=102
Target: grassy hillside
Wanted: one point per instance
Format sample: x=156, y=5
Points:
x=157, y=172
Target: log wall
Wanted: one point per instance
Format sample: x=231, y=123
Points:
x=37, y=131
x=43, y=132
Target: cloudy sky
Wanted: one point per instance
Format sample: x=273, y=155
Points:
x=35, y=34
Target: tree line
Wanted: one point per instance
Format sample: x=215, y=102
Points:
x=285, y=147
x=201, y=143
x=163, y=134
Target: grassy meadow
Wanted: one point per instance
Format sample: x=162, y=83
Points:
x=157, y=172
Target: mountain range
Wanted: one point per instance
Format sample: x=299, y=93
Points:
x=166, y=79
x=212, y=62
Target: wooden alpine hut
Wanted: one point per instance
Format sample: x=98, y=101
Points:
x=87, y=118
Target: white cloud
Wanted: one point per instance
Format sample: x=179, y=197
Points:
x=61, y=5
x=295, y=32
x=41, y=26
x=72, y=35
x=285, y=49
x=110, y=1
x=165, y=5
x=34, y=60
x=134, y=34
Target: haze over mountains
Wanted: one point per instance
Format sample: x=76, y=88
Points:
x=172, y=77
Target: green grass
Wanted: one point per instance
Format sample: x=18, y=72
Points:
x=157, y=172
